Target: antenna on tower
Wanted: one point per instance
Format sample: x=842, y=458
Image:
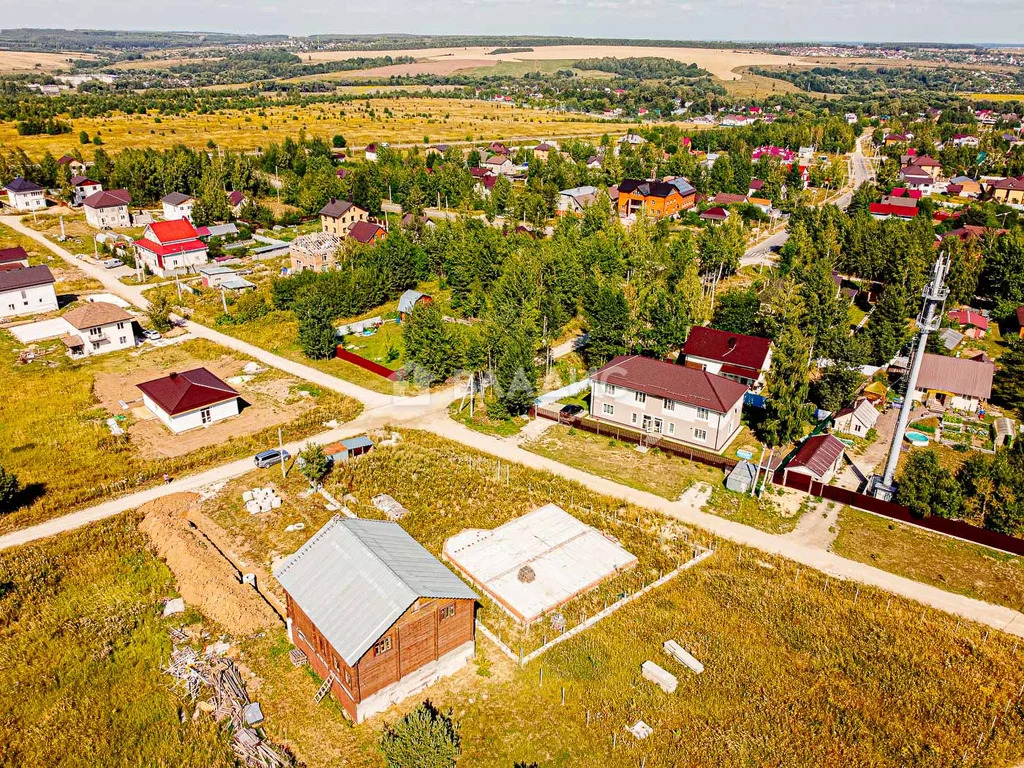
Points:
x=934, y=297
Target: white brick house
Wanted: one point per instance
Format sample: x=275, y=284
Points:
x=24, y=195
x=108, y=210
x=189, y=399
x=27, y=291
x=97, y=328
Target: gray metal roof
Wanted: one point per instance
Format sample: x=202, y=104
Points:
x=408, y=300
x=354, y=578
x=357, y=442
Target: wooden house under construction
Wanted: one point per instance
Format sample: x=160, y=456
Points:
x=378, y=617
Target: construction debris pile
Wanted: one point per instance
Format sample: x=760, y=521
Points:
x=210, y=672
x=260, y=500
x=389, y=506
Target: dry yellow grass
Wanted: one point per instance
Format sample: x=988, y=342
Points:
x=996, y=96
x=718, y=61
x=30, y=61
x=410, y=121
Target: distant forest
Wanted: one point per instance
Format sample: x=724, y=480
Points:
x=645, y=68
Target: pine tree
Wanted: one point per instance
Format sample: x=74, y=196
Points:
x=786, y=388
x=607, y=324
x=9, y=488
x=514, y=371
x=887, y=329
x=425, y=738
x=317, y=336
x=431, y=347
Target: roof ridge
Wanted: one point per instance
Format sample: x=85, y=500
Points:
x=381, y=560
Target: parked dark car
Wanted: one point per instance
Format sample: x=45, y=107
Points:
x=571, y=411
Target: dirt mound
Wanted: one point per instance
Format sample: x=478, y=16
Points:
x=205, y=578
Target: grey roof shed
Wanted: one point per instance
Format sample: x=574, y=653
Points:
x=741, y=478
x=407, y=301
x=354, y=579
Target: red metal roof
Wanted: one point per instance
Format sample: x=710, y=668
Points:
x=965, y=316
x=172, y=248
x=17, y=253
x=883, y=209
x=187, y=391
x=365, y=231
x=818, y=454
x=748, y=352
x=173, y=231
x=671, y=381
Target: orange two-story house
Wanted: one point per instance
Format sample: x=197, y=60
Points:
x=658, y=198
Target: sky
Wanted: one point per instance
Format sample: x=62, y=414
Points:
x=958, y=21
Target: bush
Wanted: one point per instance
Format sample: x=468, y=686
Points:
x=9, y=488
x=425, y=738
x=314, y=464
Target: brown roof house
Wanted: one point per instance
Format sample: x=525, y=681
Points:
x=378, y=617
x=338, y=215
x=189, y=399
x=97, y=328
x=820, y=456
x=953, y=382
x=667, y=400
x=26, y=291
x=745, y=359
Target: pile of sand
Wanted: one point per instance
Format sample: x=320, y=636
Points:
x=205, y=578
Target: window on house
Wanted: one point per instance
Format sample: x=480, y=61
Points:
x=657, y=426
x=701, y=435
x=447, y=612
x=670, y=405
x=640, y=397
x=205, y=415
x=97, y=331
x=120, y=326
x=633, y=419
x=702, y=413
x=607, y=408
x=348, y=677
x=95, y=345
x=609, y=389
x=124, y=340
x=383, y=646
x=671, y=428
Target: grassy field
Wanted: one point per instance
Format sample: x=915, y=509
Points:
x=54, y=435
x=403, y=121
x=69, y=279
x=842, y=675
x=83, y=642
x=21, y=62
x=957, y=566
x=656, y=472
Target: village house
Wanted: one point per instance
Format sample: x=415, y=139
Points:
x=663, y=399
x=716, y=215
x=378, y=617
x=97, y=328
x=366, y=232
x=338, y=215
x=953, y=382
x=13, y=258
x=26, y=291
x=409, y=299
x=542, y=150
x=745, y=359
x=897, y=138
x=917, y=179
x=658, y=199
x=575, y=200
x=885, y=210
x=929, y=165
x=190, y=399
x=24, y=195
x=177, y=206
x=169, y=248
x=237, y=201
x=972, y=324
x=499, y=164
x=820, y=457
x=371, y=153
x=631, y=139
x=82, y=187
x=728, y=198
x=856, y=419
x=965, y=140
x=108, y=209
x=964, y=186
x=1009, y=191
x=317, y=251
x=75, y=167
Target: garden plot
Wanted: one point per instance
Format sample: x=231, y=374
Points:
x=269, y=399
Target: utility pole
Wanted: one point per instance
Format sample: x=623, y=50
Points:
x=223, y=300
x=280, y=444
x=934, y=297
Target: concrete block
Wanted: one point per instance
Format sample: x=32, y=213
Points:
x=660, y=677
x=673, y=649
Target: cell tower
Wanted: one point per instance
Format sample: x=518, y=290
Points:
x=934, y=295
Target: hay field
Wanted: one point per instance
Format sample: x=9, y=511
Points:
x=718, y=61
x=13, y=62
x=408, y=122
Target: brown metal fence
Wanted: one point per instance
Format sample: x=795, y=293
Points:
x=368, y=365
x=898, y=512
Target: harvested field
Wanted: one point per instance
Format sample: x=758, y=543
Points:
x=409, y=120
x=204, y=577
x=718, y=61
x=31, y=61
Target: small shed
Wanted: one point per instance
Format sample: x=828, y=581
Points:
x=1003, y=427
x=350, y=448
x=407, y=301
x=741, y=479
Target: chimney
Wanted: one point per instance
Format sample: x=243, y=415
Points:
x=173, y=375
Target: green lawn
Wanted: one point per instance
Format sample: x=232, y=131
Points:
x=957, y=566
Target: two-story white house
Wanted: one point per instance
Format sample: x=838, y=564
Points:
x=82, y=187
x=108, y=209
x=170, y=248
x=97, y=328
x=24, y=195
x=745, y=359
x=177, y=206
x=27, y=291
x=671, y=401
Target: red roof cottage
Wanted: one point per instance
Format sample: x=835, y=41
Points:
x=667, y=400
x=820, y=456
x=171, y=247
x=189, y=399
x=745, y=359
